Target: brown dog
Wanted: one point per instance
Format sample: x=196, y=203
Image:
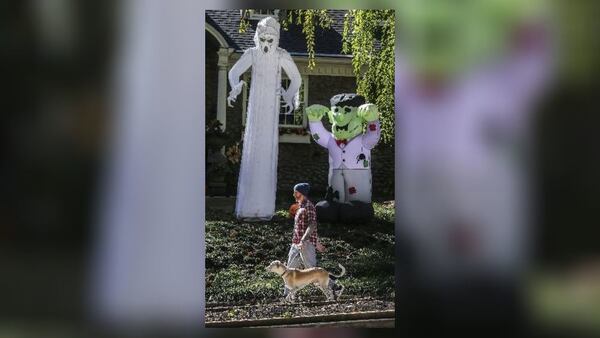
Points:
x=296, y=279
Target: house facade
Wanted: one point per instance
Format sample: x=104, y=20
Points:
x=300, y=159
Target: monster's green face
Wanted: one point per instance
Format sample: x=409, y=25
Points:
x=345, y=123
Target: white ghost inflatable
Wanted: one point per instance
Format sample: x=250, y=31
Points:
x=257, y=181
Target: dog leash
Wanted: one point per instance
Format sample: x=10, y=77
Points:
x=300, y=252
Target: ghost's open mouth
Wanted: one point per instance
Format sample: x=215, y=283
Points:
x=266, y=49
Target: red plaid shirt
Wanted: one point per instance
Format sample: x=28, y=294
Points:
x=305, y=216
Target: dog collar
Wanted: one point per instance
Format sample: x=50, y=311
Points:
x=283, y=273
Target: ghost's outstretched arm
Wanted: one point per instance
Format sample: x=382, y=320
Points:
x=239, y=68
x=291, y=95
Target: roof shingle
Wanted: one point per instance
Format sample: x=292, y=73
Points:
x=328, y=42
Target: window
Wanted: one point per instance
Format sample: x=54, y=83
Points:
x=258, y=14
x=296, y=119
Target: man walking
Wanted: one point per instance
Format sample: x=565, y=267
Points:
x=304, y=240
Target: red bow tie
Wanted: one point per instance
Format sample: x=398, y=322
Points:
x=340, y=142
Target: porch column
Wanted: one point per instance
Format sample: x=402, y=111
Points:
x=223, y=64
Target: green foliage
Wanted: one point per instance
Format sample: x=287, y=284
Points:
x=385, y=211
x=369, y=37
x=244, y=24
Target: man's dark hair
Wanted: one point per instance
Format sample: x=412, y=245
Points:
x=348, y=100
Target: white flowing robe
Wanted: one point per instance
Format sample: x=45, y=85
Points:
x=257, y=182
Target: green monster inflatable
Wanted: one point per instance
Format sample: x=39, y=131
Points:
x=355, y=131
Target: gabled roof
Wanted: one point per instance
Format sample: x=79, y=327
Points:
x=328, y=42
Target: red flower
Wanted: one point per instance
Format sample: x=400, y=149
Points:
x=352, y=190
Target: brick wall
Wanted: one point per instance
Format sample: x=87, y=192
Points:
x=309, y=163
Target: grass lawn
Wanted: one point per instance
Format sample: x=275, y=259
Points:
x=237, y=254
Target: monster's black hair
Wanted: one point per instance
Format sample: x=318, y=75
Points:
x=348, y=100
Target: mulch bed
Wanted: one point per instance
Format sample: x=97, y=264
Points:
x=287, y=310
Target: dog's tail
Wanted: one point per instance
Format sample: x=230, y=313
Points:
x=334, y=277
